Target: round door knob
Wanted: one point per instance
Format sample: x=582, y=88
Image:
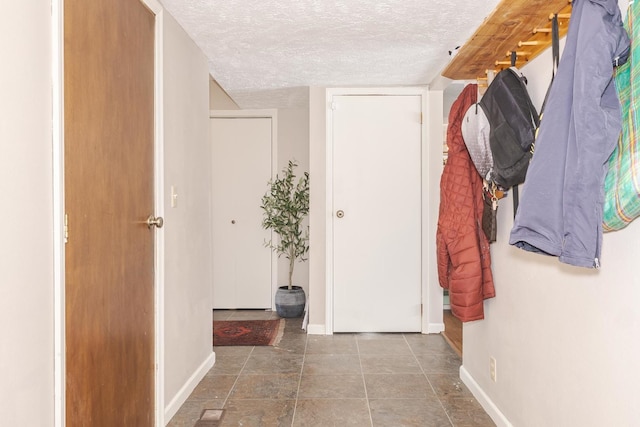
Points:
x=153, y=221
x=233, y=221
x=340, y=213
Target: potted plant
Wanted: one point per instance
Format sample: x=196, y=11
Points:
x=285, y=205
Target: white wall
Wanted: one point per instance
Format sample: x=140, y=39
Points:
x=26, y=251
x=293, y=143
x=318, y=209
x=565, y=338
x=188, y=325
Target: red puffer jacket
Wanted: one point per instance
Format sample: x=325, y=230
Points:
x=464, y=260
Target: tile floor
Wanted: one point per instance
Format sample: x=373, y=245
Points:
x=339, y=380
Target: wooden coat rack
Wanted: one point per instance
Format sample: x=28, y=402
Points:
x=523, y=26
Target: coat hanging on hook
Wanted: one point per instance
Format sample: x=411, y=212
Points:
x=560, y=211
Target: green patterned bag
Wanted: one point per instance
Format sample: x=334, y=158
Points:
x=622, y=183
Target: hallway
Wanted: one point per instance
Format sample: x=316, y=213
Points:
x=339, y=380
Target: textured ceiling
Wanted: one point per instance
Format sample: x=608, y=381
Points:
x=266, y=53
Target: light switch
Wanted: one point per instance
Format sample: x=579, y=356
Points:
x=174, y=197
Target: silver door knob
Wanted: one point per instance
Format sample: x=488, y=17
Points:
x=153, y=221
x=340, y=213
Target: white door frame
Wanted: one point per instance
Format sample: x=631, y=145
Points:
x=57, y=66
x=268, y=114
x=158, y=166
x=57, y=107
x=426, y=250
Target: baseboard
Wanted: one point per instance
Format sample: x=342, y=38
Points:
x=434, y=328
x=485, y=401
x=315, y=329
x=183, y=394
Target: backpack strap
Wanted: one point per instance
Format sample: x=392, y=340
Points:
x=533, y=113
x=535, y=120
x=555, y=52
x=555, y=44
x=515, y=191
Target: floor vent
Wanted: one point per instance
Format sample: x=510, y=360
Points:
x=210, y=418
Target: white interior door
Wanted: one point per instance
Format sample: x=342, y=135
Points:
x=241, y=170
x=377, y=213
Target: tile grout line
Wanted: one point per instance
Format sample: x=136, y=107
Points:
x=429, y=367
x=304, y=357
x=237, y=377
x=364, y=382
x=428, y=380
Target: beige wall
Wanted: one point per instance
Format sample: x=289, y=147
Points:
x=432, y=315
x=565, y=338
x=293, y=143
x=187, y=231
x=318, y=209
x=26, y=249
x=218, y=98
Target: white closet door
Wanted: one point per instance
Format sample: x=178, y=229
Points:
x=377, y=213
x=241, y=171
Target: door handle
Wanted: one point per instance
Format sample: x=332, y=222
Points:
x=340, y=213
x=152, y=221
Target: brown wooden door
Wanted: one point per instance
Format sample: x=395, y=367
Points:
x=108, y=125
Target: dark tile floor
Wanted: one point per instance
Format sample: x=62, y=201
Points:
x=334, y=380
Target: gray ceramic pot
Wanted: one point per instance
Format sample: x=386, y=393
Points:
x=290, y=302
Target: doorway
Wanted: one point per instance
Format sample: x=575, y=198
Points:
x=109, y=110
x=243, y=161
x=376, y=222
x=452, y=332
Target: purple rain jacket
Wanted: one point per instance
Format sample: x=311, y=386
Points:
x=560, y=210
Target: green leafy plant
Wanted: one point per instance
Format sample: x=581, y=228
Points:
x=285, y=205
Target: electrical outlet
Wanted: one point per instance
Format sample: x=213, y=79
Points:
x=493, y=369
